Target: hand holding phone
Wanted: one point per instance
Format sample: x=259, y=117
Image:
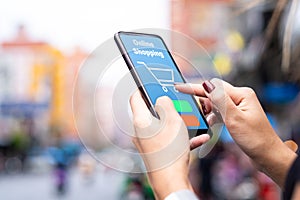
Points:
x=155, y=72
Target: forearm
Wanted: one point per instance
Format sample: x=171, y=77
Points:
x=276, y=161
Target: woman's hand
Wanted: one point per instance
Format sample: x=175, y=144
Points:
x=163, y=144
x=247, y=123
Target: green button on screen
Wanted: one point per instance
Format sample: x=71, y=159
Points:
x=182, y=106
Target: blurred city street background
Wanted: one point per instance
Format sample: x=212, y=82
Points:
x=38, y=186
x=44, y=43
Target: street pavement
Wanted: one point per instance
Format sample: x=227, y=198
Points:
x=103, y=184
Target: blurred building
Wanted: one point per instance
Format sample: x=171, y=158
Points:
x=206, y=23
x=36, y=85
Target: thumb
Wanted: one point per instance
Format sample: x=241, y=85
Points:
x=165, y=108
x=292, y=145
x=224, y=96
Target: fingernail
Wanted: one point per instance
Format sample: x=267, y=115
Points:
x=208, y=86
x=179, y=83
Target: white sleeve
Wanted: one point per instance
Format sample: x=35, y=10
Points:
x=182, y=195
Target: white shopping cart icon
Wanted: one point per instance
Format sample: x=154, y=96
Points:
x=165, y=77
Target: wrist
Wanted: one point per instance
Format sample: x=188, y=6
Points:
x=163, y=186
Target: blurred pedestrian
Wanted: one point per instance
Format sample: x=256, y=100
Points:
x=63, y=153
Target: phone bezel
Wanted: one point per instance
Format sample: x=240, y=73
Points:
x=139, y=83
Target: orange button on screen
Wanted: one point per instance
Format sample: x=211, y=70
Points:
x=190, y=120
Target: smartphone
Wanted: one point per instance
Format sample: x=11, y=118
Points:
x=155, y=72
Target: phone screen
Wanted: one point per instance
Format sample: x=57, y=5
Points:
x=157, y=73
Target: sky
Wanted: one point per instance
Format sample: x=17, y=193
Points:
x=85, y=23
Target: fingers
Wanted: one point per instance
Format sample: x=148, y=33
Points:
x=141, y=115
x=218, y=91
x=206, y=105
x=212, y=119
x=190, y=88
x=198, y=141
x=236, y=94
x=220, y=94
x=196, y=89
x=224, y=96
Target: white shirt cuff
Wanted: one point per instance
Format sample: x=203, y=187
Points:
x=182, y=195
